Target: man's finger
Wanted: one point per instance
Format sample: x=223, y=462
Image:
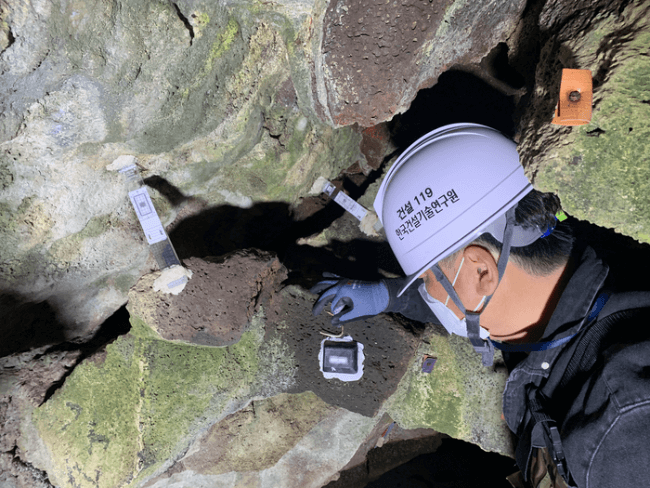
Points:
x=322, y=302
x=321, y=286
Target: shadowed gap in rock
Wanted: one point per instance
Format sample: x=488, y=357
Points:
x=457, y=97
x=113, y=327
x=27, y=325
x=272, y=227
x=427, y=463
x=497, y=65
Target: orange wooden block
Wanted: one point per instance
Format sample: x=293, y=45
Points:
x=576, y=96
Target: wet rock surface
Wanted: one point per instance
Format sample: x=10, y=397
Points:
x=388, y=345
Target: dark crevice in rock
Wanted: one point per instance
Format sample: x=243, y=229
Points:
x=497, y=65
x=185, y=21
x=458, y=96
x=426, y=462
x=277, y=137
x=10, y=40
x=28, y=325
x=526, y=53
x=622, y=7
x=115, y=326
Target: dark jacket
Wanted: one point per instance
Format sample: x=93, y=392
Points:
x=604, y=420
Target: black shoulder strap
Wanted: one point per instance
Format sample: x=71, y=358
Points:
x=587, y=352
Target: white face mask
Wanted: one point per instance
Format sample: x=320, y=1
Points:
x=447, y=318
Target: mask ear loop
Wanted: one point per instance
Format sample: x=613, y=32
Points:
x=455, y=278
x=480, y=303
x=442, y=279
x=485, y=348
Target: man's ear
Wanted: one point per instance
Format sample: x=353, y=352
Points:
x=483, y=269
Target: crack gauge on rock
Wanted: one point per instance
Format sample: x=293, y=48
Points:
x=356, y=209
x=158, y=240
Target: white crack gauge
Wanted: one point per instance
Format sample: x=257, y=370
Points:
x=345, y=201
x=147, y=215
x=153, y=229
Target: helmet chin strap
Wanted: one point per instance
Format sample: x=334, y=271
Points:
x=472, y=319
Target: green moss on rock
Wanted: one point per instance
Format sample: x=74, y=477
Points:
x=460, y=397
x=6, y=176
x=181, y=382
x=69, y=248
x=601, y=171
x=431, y=400
x=119, y=417
x=91, y=426
x=255, y=438
x=222, y=43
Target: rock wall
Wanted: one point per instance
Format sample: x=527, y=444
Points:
x=232, y=111
x=600, y=170
x=221, y=103
x=377, y=54
x=205, y=97
x=154, y=408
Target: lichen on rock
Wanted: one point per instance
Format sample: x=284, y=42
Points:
x=256, y=437
x=460, y=397
x=601, y=170
x=129, y=411
x=120, y=417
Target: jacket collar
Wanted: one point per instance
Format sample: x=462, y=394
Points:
x=579, y=295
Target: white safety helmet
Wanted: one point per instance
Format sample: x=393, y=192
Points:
x=449, y=187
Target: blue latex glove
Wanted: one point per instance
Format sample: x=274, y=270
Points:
x=350, y=299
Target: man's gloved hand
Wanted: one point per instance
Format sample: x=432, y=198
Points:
x=350, y=299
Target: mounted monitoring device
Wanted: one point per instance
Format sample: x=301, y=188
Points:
x=341, y=358
x=576, y=97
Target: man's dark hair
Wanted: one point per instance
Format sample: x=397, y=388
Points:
x=544, y=256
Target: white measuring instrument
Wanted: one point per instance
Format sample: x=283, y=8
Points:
x=152, y=227
x=357, y=210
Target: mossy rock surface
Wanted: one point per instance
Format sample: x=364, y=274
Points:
x=122, y=414
x=459, y=397
x=256, y=437
x=601, y=171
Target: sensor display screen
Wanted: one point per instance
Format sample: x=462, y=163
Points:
x=340, y=357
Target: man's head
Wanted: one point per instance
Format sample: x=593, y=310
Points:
x=529, y=289
x=544, y=256
x=474, y=171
